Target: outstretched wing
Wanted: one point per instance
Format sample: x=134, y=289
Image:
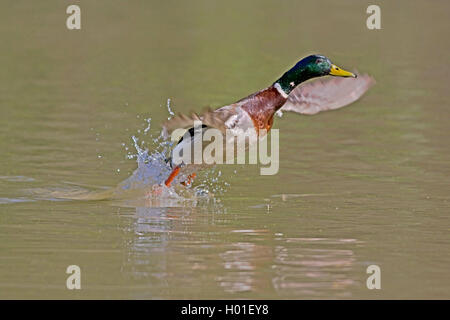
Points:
x=210, y=118
x=329, y=94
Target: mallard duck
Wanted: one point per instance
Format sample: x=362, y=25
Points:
x=256, y=111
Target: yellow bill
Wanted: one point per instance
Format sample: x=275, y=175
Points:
x=338, y=72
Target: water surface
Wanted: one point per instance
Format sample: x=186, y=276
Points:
x=368, y=184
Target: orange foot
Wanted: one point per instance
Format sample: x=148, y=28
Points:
x=189, y=180
x=172, y=176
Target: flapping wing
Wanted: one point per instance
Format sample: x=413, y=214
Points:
x=210, y=118
x=329, y=94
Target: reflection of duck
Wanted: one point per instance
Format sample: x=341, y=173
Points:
x=256, y=111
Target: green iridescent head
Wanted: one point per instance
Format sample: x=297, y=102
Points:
x=310, y=67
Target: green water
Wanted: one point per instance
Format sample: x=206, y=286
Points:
x=368, y=184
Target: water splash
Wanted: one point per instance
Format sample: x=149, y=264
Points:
x=169, y=109
x=153, y=168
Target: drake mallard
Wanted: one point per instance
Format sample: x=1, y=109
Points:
x=286, y=94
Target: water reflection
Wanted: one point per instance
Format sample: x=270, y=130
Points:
x=243, y=267
x=312, y=266
x=145, y=258
x=206, y=256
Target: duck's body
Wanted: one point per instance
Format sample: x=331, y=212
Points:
x=256, y=112
x=253, y=112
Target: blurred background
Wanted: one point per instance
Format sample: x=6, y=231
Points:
x=367, y=184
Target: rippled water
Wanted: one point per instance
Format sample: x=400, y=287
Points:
x=368, y=184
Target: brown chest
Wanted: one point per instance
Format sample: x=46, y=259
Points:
x=262, y=106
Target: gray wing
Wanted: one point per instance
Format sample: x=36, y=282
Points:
x=210, y=118
x=329, y=94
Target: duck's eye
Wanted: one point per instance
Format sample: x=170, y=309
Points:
x=319, y=61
